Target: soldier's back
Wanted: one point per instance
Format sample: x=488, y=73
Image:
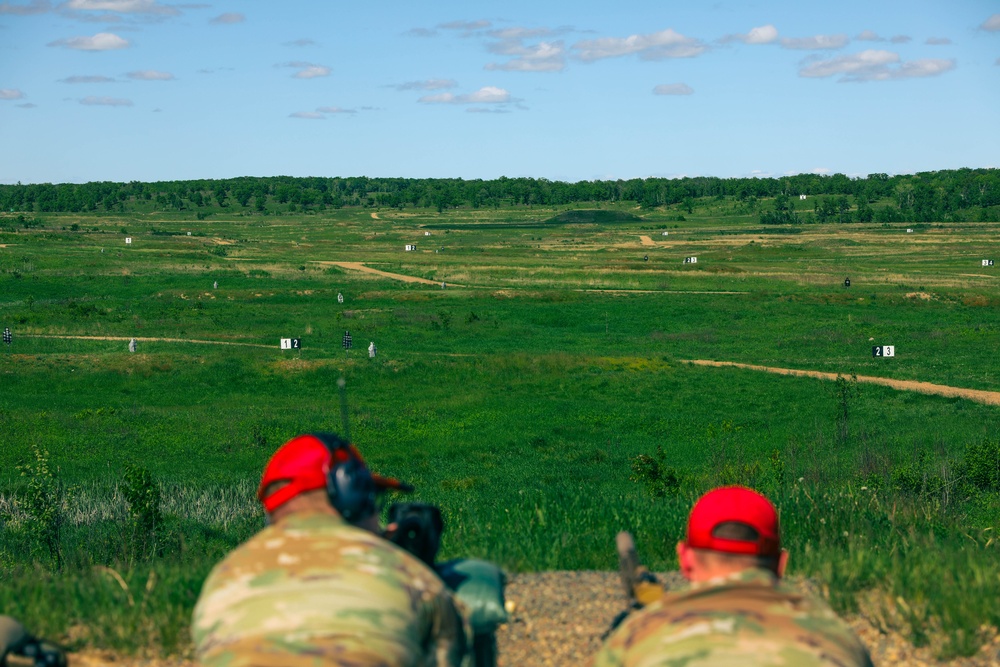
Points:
x=746, y=620
x=315, y=591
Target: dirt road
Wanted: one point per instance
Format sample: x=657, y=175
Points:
x=977, y=395
x=359, y=266
x=146, y=339
x=646, y=240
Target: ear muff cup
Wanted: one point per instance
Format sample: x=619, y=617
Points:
x=349, y=484
x=352, y=490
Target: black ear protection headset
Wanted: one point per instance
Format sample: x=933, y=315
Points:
x=349, y=484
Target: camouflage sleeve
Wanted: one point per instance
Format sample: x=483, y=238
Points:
x=449, y=634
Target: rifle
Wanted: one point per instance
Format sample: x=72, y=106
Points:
x=477, y=584
x=641, y=586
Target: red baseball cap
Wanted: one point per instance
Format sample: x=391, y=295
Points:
x=305, y=461
x=734, y=504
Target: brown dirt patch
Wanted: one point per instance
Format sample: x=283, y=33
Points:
x=918, y=295
x=977, y=395
x=647, y=241
x=359, y=266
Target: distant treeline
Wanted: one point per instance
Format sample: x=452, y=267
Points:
x=927, y=196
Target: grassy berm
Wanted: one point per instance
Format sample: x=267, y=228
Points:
x=542, y=399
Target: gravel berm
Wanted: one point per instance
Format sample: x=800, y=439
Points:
x=558, y=619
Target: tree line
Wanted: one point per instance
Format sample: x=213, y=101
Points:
x=924, y=196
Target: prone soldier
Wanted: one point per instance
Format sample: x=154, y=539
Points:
x=319, y=586
x=736, y=609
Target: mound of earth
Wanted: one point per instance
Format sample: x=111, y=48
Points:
x=598, y=216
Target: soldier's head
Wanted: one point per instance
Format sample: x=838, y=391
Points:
x=731, y=529
x=322, y=472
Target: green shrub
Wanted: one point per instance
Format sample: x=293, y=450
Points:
x=653, y=473
x=981, y=465
x=43, y=503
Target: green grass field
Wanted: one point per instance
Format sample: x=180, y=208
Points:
x=542, y=398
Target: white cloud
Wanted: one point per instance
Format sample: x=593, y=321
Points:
x=307, y=115
x=302, y=41
x=821, y=171
x=121, y=7
x=485, y=95
x=312, y=72
x=228, y=18
x=654, y=46
x=466, y=26
x=307, y=70
x=869, y=36
x=26, y=105
x=427, y=84
x=102, y=41
x=541, y=57
x=991, y=24
x=106, y=101
x=938, y=41
x=150, y=75
x=765, y=34
x=900, y=39
x=335, y=110
x=997, y=63
x=33, y=7
x=673, y=89
x=420, y=32
x=815, y=43
x=874, y=65
x=87, y=79
x=10, y=94
x=485, y=110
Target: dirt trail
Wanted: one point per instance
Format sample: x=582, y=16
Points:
x=146, y=339
x=359, y=266
x=977, y=395
x=646, y=240
x=375, y=216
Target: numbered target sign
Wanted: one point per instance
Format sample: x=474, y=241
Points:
x=987, y=262
x=128, y=240
x=286, y=343
x=884, y=351
x=296, y=343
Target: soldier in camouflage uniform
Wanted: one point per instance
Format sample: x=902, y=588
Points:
x=319, y=586
x=735, y=611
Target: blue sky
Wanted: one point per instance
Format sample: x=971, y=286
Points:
x=153, y=90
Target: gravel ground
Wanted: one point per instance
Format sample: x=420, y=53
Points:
x=558, y=619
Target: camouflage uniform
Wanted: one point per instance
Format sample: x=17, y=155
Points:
x=748, y=619
x=313, y=590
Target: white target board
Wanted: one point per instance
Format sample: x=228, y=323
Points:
x=690, y=260
x=286, y=343
x=909, y=231
x=987, y=262
x=128, y=240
